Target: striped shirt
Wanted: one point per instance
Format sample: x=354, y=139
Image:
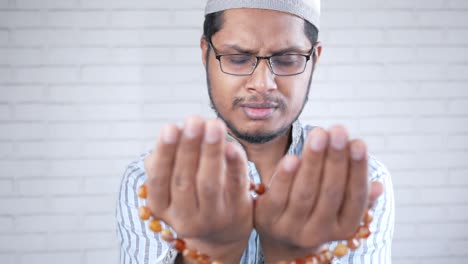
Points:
x=140, y=245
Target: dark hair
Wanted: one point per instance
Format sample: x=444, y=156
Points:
x=214, y=22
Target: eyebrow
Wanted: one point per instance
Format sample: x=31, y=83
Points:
x=291, y=49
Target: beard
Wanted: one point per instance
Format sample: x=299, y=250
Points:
x=257, y=137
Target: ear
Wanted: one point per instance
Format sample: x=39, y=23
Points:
x=317, y=51
x=204, y=49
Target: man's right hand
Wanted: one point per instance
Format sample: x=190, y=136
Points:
x=198, y=184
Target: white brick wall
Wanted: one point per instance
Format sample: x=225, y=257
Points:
x=85, y=86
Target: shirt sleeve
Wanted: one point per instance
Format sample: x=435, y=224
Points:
x=138, y=244
x=377, y=248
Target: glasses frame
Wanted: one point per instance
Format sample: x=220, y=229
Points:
x=267, y=58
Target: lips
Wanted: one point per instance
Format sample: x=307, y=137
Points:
x=257, y=111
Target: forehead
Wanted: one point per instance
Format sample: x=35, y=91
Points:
x=262, y=29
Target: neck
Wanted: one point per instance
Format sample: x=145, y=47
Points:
x=266, y=156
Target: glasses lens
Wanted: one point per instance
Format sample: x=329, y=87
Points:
x=238, y=63
x=288, y=64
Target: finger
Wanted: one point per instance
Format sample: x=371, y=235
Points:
x=306, y=184
x=210, y=175
x=335, y=174
x=376, y=189
x=274, y=202
x=158, y=167
x=357, y=188
x=183, y=187
x=237, y=179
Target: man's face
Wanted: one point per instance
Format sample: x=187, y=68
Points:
x=262, y=106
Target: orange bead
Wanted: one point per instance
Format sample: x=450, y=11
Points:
x=298, y=261
x=252, y=186
x=282, y=262
x=167, y=235
x=144, y=212
x=190, y=254
x=340, y=250
x=368, y=217
x=203, y=259
x=179, y=245
x=142, y=191
x=312, y=259
x=155, y=226
x=363, y=232
x=216, y=262
x=260, y=188
x=326, y=256
x=353, y=243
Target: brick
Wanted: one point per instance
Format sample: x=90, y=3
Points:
x=458, y=177
x=124, y=4
x=458, y=107
x=337, y=37
x=83, y=19
x=5, y=75
x=98, y=222
x=416, y=142
x=422, y=248
x=331, y=19
x=178, y=111
x=457, y=142
x=179, y=37
x=405, y=231
x=8, y=258
x=415, y=36
x=100, y=256
x=5, y=4
x=453, y=89
x=189, y=18
x=444, y=124
x=102, y=185
x=386, y=55
x=88, y=168
x=119, y=149
x=324, y=90
x=4, y=37
x=6, y=187
x=407, y=196
x=74, y=56
x=20, y=205
x=47, y=149
x=385, y=19
x=415, y=4
x=78, y=112
x=457, y=212
x=444, y=195
x=6, y=149
x=450, y=54
x=147, y=55
x=419, y=178
x=50, y=37
x=6, y=224
x=426, y=160
x=457, y=72
x=23, y=168
x=5, y=112
x=110, y=37
x=101, y=204
x=445, y=259
x=96, y=93
x=15, y=242
x=19, y=93
x=388, y=90
x=364, y=72
x=132, y=19
x=442, y=230
x=380, y=125
x=442, y=19
x=49, y=4
x=423, y=214
x=51, y=258
x=22, y=131
x=457, y=4
x=13, y=19
x=186, y=56
x=82, y=130
x=457, y=248
x=173, y=74
x=412, y=72
x=110, y=74
x=46, y=223
x=49, y=187
x=46, y=75
x=76, y=241
x=15, y=57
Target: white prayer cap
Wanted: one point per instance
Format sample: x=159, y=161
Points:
x=306, y=9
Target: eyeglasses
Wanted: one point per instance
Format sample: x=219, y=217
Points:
x=245, y=64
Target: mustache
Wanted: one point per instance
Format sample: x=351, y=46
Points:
x=259, y=101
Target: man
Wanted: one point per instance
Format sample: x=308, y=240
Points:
x=259, y=58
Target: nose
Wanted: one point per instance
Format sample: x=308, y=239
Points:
x=262, y=79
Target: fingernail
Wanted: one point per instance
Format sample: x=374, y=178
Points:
x=290, y=164
x=169, y=136
x=357, y=152
x=191, y=129
x=318, y=140
x=212, y=133
x=338, y=139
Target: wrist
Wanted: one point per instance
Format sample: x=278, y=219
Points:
x=225, y=253
x=277, y=252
